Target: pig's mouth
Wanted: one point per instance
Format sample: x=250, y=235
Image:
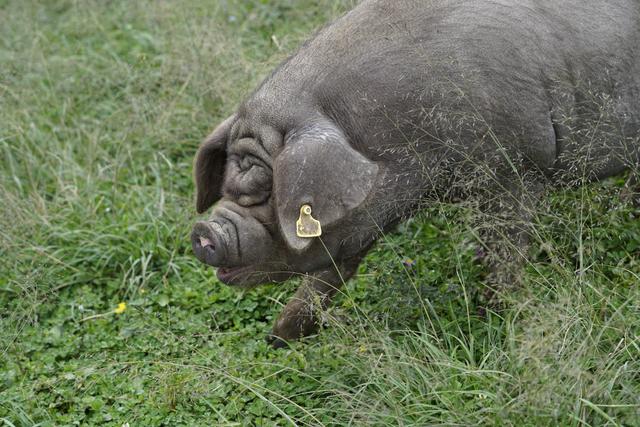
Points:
x=227, y=274
x=252, y=275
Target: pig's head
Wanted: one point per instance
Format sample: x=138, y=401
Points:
x=259, y=177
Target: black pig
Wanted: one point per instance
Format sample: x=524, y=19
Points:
x=403, y=102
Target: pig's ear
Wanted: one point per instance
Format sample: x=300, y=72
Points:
x=319, y=168
x=208, y=166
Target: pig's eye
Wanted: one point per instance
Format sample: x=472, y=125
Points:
x=246, y=162
x=247, y=179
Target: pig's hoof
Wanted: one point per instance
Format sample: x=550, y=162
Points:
x=276, y=342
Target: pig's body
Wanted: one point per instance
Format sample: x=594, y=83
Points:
x=517, y=62
x=416, y=97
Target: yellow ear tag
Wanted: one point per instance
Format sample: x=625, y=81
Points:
x=307, y=226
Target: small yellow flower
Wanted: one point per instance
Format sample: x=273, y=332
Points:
x=121, y=308
x=409, y=263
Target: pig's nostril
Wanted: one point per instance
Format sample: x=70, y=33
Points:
x=206, y=243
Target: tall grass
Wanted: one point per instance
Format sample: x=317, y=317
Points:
x=102, y=105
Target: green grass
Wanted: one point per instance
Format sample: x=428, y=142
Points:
x=102, y=106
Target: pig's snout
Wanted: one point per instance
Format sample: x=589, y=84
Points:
x=208, y=245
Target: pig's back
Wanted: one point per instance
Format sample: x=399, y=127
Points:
x=524, y=66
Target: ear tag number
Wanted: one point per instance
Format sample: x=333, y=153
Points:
x=307, y=226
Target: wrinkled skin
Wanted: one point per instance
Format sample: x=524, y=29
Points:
x=401, y=103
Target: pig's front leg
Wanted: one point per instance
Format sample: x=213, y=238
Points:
x=302, y=315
